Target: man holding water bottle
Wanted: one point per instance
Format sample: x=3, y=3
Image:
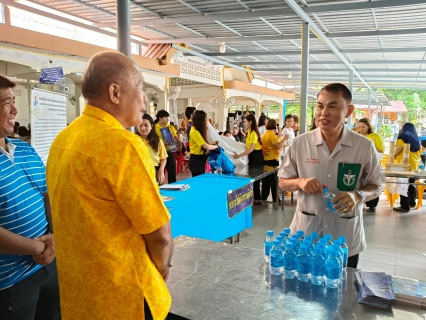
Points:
x=336, y=158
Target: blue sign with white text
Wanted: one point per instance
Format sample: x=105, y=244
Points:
x=51, y=75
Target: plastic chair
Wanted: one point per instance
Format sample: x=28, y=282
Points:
x=420, y=189
x=181, y=162
x=391, y=197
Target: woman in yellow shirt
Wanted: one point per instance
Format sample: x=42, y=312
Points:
x=365, y=128
x=409, y=135
x=253, y=150
x=271, y=153
x=155, y=146
x=198, y=144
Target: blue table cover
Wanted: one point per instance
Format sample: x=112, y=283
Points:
x=202, y=212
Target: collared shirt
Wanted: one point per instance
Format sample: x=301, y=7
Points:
x=196, y=142
x=252, y=138
x=171, y=129
x=309, y=157
x=270, y=152
x=104, y=196
x=22, y=188
x=158, y=155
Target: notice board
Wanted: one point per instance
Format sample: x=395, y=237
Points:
x=48, y=118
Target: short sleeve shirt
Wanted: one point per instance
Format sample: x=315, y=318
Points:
x=156, y=156
x=251, y=138
x=269, y=140
x=196, y=142
x=413, y=157
x=158, y=132
x=379, y=144
x=309, y=157
x=104, y=195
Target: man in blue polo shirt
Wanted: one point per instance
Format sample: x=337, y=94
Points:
x=28, y=278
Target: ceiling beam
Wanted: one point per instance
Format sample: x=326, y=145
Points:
x=315, y=52
x=266, y=13
x=324, y=70
x=315, y=62
x=298, y=10
x=329, y=35
x=42, y=13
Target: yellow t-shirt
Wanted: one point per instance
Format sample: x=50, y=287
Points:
x=158, y=132
x=270, y=152
x=379, y=144
x=412, y=158
x=104, y=196
x=196, y=142
x=252, y=138
x=156, y=156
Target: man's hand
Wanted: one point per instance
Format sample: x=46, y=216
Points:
x=165, y=273
x=346, y=202
x=311, y=185
x=49, y=252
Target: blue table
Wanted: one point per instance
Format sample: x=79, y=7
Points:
x=201, y=211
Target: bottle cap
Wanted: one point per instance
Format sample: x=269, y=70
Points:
x=328, y=237
x=309, y=238
x=300, y=233
x=303, y=248
x=289, y=245
x=295, y=236
x=279, y=238
x=324, y=190
x=277, y=242
x=323, y=240
x=293, y=241
x=342, y=239
x=314, y=235
x=306, y=243
x=287, y=230
x=270, y=233
x=332, y=252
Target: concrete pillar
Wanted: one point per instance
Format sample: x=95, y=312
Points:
x=221, y=115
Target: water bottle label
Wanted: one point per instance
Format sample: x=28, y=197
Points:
x=290, y=264
x=303, y=268
x=277, y=262
x=332, y=274
x=317, y=270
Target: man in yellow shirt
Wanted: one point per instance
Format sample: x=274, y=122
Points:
x=161, y=127
x=112, y=231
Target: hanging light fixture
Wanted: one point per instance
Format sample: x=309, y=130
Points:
x=222, y=47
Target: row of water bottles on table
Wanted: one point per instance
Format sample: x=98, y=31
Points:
x=321, y=261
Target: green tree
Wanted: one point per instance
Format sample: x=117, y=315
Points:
x=414, y=100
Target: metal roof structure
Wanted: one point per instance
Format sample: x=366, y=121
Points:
x=384, y=41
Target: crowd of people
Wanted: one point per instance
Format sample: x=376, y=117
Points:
x=89, y=236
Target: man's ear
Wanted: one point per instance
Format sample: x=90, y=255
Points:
x=351, y=109
x=114, y=93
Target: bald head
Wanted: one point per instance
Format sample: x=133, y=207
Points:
x=103, y=69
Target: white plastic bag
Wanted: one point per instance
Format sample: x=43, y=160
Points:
x=397, y=188
x=228, y=144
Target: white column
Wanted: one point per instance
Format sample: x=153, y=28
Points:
x=221, y=115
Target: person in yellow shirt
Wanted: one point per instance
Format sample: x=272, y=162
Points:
x=112, y=230
x=198, y=144
x=409, y=135
x=271, y=153
x=365, y=128
x=253, y=151
x=163, y=125
x=155, y=146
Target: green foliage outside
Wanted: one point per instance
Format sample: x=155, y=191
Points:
x=414, y=100
x=385, y=131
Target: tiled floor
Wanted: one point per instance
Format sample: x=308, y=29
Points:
x=395, y=241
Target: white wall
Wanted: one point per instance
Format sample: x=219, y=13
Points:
x=21, y=98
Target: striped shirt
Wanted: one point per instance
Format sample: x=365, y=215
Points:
x=22, y=188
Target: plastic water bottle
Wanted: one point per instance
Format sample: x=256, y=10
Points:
x=269, y=242
x=307, y=243
x=317, y=267
x=219, y=171
x=295, y=243
x=315, y=239
x=280, y=239
x=345, y=249
x=303, y=264
x=322, y=250
x=339, y=250
x=421, y=166
x=322, y=241
x=287, y=233
x=333, y=270
x=290, y=261
x=329, y=241
x=301, y=236
x=328, y=199
x=276, y=264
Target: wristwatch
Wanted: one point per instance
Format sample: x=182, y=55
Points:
x=361, y=194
